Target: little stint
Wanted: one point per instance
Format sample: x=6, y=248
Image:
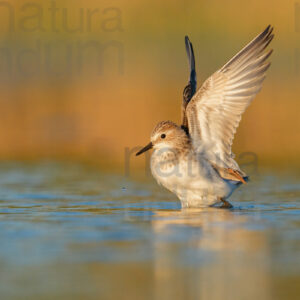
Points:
x=195, y=160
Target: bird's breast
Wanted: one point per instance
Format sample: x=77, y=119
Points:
x=187, y=174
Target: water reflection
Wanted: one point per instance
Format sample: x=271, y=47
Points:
x=234, y=265
x=69, y=231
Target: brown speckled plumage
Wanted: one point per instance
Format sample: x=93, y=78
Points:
x=195, y=160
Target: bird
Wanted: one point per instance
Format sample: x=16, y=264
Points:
x=194, y=160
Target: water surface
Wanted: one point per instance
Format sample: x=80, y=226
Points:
x=69, y=231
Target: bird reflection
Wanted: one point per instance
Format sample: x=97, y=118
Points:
x=210, y=253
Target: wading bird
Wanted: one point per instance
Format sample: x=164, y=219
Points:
x=195, y=160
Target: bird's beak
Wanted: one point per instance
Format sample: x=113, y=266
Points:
x=146, y=148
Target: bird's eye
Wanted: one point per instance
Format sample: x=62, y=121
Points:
x=163, y=136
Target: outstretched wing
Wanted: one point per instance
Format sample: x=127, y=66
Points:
x=215, y=111
x=190, y=89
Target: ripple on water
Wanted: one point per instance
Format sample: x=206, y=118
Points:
x=87, y=226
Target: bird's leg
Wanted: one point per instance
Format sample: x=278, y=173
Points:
x=225, y=204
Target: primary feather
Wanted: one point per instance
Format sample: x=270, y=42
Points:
x=215, y=111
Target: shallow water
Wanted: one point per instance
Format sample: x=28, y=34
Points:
x=70, y=231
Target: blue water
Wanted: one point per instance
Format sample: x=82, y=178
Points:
x=71, y=231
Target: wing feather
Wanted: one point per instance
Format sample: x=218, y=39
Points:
x=190, y=89
x=215, y=110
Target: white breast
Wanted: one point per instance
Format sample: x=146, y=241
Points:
x=191, y=178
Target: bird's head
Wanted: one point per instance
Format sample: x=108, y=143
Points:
x=166, y=135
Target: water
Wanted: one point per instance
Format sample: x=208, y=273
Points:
x=69, y=231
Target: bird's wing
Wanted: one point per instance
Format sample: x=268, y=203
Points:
x=215, y=111
x=190, y=89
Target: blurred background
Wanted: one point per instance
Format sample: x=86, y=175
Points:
x=82, y=84
x=84, y=80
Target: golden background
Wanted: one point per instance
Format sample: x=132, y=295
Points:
x=50, y=109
